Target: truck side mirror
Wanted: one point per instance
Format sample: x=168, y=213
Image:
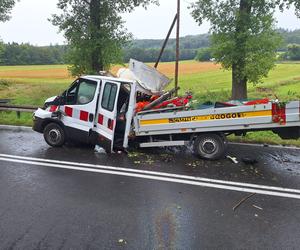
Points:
x=62, y=98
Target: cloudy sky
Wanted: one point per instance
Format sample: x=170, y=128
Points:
x=29, y=22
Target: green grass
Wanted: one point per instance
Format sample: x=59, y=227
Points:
x=31, y=85
x=264, y=137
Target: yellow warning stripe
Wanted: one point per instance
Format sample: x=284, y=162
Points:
x=227, y=116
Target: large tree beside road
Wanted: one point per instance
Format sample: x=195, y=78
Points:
x=5, y=10
x=243, y=36
x=95, y=32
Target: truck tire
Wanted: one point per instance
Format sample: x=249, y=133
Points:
x=210, y=146
x=54, y=135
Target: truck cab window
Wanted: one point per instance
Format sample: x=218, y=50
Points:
x=109, y=96
x=86, y=92
x=81, y=92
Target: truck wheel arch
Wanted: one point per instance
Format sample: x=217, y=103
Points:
x=48, y=121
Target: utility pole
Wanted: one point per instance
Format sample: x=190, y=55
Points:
x=177, y=47
x=166, y=41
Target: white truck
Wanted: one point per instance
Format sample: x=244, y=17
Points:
x=103, y=111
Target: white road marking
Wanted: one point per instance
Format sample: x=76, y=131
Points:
x=164, y=174
x=266, y=190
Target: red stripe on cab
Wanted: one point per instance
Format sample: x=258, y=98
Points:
x=53, y=108
x=84, y=116
x=100, y=119
x=69, y=111
x=110, y=124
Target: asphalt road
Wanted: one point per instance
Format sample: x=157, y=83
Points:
x=75, y=198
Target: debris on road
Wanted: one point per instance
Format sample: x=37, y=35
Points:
x=99, y=150
x=233, y=159
x=249, y=161
x=260, y=208
x=242, y=201
x=195, y=164
x=122, y=241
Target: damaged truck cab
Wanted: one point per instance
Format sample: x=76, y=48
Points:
x=94, y=110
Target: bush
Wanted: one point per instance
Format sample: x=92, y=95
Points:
x=203, y=55
x=293, y=53
x=4, y=83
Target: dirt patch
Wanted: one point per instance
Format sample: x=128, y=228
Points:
x=263, y=90
x=184, y=68
x=188, y=68
x=168, y=69
x=60, y=73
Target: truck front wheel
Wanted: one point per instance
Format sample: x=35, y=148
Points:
x=54, y=135
x=210, y=146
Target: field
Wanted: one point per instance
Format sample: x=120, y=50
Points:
x=31, y=85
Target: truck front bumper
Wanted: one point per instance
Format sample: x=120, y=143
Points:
x=38, y=124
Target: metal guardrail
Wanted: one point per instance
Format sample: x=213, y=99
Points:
x=4, y=101
x=18, y=108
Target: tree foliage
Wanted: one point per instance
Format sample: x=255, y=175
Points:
x=5, y=9
x=95, y=32
x=26, y=54
x=146, y=50
x=293, y=52
x=243, y=37
x=203, y=55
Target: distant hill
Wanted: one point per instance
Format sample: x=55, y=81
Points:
x=203, y=41
x=289, y=37
x=145, y=50
x=187, y=42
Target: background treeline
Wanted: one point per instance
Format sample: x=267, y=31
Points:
x=146, y=50
x=26, y=54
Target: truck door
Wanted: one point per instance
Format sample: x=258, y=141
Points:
x=79, y=108
x=107, y=114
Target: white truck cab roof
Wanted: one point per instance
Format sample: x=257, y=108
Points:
x=114, y=79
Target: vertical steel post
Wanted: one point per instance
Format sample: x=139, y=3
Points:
x=177, y=47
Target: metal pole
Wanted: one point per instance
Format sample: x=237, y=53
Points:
x=177, y=47
x=165, y=42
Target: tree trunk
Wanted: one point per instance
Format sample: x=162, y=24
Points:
x=96, y=50
x=239, y=85
x=239, y=77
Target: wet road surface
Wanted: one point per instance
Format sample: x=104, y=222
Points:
x=49, y=205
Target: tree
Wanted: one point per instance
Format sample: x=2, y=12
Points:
x=95, y=32
x=293, y=52
x=203, y=55
x=5, y=9
x=243, y=37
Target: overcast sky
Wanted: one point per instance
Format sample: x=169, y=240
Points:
x=29, y=22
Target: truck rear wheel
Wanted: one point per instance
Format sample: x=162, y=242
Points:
x=210, y=146
x=54, y=135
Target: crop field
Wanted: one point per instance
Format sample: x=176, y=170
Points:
x=31, y=85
